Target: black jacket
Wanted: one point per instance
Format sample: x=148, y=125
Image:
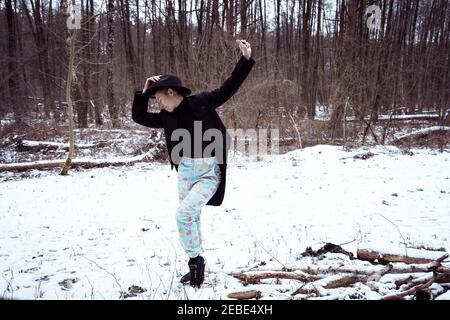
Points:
x=203, y=105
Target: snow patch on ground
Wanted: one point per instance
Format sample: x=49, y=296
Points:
x=115, y=227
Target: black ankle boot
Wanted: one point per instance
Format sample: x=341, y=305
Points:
x=196, y=271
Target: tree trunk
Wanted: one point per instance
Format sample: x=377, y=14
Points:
x=67, y=163
x=42, y=46
x=112, y=108
x=97, y=96
x=13, y=82
x=83, y=90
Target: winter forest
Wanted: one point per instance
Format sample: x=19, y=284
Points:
x=351, y=98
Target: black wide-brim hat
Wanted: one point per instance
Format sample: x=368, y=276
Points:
x=168, y=81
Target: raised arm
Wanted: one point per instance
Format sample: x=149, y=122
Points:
x=139, y=112
x=219, y=96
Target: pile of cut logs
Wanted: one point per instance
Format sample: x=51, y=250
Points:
x=415, y=272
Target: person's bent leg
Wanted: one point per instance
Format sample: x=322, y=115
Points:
x=205, y=183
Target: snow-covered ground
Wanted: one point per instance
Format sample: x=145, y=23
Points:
x=111, y=228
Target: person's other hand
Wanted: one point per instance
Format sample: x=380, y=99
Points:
x=245, y=48
x=150, y=81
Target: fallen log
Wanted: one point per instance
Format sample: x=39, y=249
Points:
x=413, y=268
x=442, y=278
x=408, y=280
x=407, y=255
x=331, y=282
x=403, y=117
x=413, y=290
x=412, y=278
x=344, y=281
x=254, y=278
x=245, y=295
x=369, y=270
x=76, y=163
x=374, y=270
x=34, y=146
x=421, y=133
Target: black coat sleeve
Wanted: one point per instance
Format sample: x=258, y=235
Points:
x=139, y=112
x=219, y=96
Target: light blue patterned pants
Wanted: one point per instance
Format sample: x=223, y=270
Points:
x=198, y=180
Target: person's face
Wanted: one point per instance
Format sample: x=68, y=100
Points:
x=167, y=99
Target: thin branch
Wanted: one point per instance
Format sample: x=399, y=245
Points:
x=398, y=229
x=108, y=272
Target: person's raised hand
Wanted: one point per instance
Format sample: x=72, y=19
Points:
x=150, y=82
x=245, y=47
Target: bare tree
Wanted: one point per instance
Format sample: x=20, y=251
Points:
x=112, y=108
x=70, y=75
x=36, y=22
